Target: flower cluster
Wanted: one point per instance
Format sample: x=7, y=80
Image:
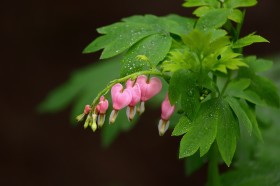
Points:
x=136, y=92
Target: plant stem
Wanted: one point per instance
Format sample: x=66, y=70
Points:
x=213, y=167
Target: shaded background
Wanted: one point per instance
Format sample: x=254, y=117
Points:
x=41, y=44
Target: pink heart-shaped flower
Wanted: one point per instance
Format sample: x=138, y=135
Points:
x=120, y=97
x=135, y=91
x=166, y=109
x=149, y=88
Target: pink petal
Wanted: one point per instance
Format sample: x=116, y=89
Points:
x=135, y=91
x=149, y=88
x=120, y=98
x=166, y=109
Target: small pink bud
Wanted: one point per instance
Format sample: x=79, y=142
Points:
x=149, y=88
x=166, y=112
x=103, y=105
x=87, y=109
x=120, y=97
x=166, y=109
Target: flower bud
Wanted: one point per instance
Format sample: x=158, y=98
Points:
x=87, y=109
x=166, y=112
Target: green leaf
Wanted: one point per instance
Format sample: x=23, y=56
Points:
x=182, y=126
x=178, y=25
x=239, y=3
x=227, y=132
x=182, y=84
x=237, y=86
x=258, y=65
x=194, y=3
x=215, y=18
x=119, y=37
x=252, y=116
x=203, y=131
x=240, y=113
x=201, y=11
x=248, y=40
x=236, y=15
x=154, y=47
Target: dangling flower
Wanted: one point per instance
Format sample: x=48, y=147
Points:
x=166, y=112
x=136, y=95
x=121, y=98
x=87, y=109
x=101, y=109
x=86, y=112
x=149, y=88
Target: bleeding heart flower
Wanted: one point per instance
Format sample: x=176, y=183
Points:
x=166, y=112
x=136, y=95
x=121, y=98
x=101, y=109
x=149, y=88
x=87, y=109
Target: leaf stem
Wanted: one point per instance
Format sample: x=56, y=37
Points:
x=213, y=166
x=123, y=79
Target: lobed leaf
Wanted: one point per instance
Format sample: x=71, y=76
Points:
x=154, y=47
x=240, y=113
x=248, y=40
x=214, y=18
x=227, y=132
x=182, y=126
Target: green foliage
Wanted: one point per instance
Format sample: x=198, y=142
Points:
x=154, y=48
x=248, y=40
x=217, y=90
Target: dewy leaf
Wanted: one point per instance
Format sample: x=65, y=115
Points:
x=182, y=126
x=248, y=40
x=154, y=47
x=121, y=36
x=178, y=25
x=227, y=131
x=178, y=85
x=183, y=84
x=118, y=38
x=203, y=131
x=240, y=113
x=213, y=19
x=239, y=3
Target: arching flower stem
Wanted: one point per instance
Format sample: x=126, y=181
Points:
x=124, y=79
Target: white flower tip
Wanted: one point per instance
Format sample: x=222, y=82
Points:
x=141, y=108
x=130, y=112
x=113, y=116
x=101, y=120
x=162, y=126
